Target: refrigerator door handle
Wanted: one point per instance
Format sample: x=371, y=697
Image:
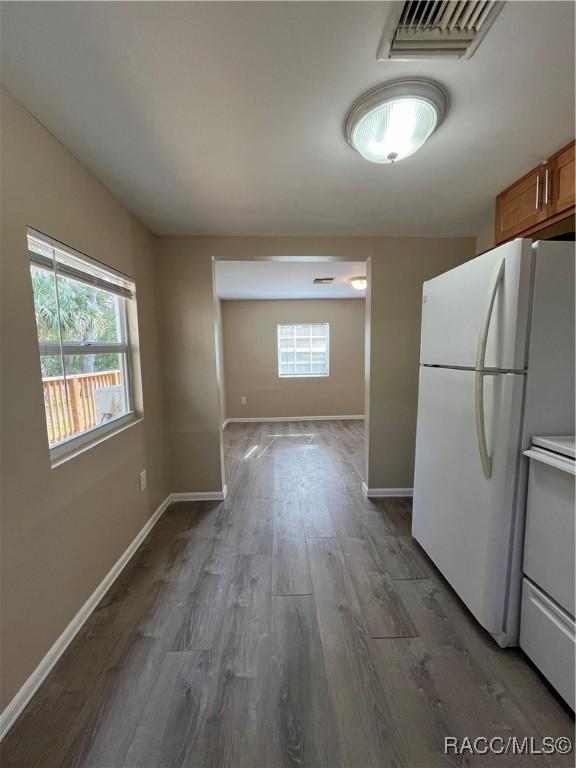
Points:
x=485, y=459
x=495, y=280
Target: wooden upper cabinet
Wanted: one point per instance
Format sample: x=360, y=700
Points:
x=562, y=186
x=521, y=206
x=544, y=196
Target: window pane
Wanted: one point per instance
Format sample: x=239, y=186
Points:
x=303, y=350
x=81, y=391
x=88, y=313
x=51, y=366
x=45, y=305
x=58, y=419
x=92, y=393
x=96, y=389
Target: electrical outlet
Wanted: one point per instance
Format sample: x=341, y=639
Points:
x=142, y=480
x=243, y=400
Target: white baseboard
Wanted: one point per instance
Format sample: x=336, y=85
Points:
x=383, y=493
x=199, y=496
x=21, y=699
x=262, y=420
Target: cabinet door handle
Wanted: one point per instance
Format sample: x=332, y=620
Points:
x=537, y=206
x=548, y=187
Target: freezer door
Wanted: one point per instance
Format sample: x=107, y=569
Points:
x=463, y=520
x=456, y=309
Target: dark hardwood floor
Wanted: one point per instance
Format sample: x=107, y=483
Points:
x=294, y=624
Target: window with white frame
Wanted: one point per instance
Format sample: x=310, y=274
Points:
x=81, y=318
x=304, y=350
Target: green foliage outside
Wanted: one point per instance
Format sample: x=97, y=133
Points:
x=86, y=314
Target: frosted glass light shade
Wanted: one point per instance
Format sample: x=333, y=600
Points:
x=393, y=120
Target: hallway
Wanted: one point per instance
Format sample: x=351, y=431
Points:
x=294, y=624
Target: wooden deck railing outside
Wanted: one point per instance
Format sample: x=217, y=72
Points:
x=67, y=416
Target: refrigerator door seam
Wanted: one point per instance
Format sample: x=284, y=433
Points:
x=487, y=371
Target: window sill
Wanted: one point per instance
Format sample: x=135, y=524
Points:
x=305, y=376
x=76, y=446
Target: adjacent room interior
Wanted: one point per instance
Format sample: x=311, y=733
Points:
x=293, y=341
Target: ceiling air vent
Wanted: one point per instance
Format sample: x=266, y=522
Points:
x=430, y=30
x=323, y=280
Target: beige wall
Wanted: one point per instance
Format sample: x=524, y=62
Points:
x=251, y=360
x=189, y=314
x=63, y=528
x=397, y=266
x=486, y=240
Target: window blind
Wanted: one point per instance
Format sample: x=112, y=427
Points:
x=44, y=253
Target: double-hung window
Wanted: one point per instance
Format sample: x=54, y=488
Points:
x=304, y=350
x=81, y=316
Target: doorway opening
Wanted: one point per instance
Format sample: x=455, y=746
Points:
x=292, y=345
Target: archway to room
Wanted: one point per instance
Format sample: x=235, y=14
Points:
x=292, y=355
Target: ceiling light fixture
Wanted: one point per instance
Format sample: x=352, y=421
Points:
x=393, y=120
x=358, y=283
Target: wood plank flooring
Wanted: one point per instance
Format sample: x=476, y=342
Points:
x=295, y=624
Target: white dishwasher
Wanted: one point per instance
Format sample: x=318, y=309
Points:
x=547, y=627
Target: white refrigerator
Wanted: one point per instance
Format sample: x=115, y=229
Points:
x=496, y=367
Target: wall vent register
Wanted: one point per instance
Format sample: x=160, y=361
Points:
x=427, y=30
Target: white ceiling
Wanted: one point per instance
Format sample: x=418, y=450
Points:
x=226, y=118
x=287, y=280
